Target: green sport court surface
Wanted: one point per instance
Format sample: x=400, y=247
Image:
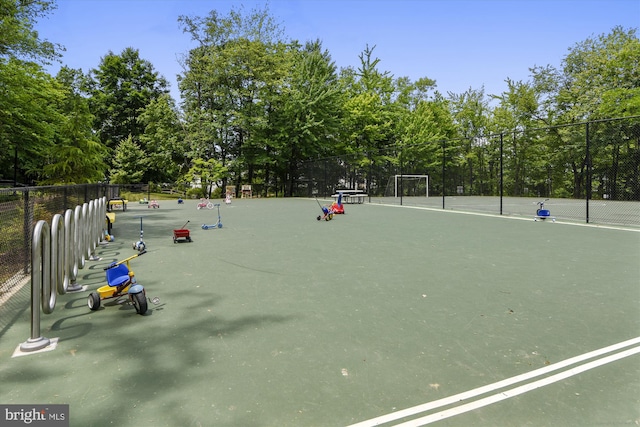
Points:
x=386, y=315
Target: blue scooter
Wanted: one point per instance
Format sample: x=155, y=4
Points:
x=217, y=224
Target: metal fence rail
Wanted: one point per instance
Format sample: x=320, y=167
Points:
x=594, y=162
x=590, y=172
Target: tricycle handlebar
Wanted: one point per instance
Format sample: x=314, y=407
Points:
x=115, y=264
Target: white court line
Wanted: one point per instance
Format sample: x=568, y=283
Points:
x=519, y=218
x=394, y=416
x=503, y=395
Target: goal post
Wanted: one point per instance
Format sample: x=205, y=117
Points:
x=408, y=185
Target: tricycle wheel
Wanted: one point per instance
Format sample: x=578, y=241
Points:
x=139, y=301
x=93, y=301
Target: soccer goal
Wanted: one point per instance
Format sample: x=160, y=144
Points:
x=408, y=186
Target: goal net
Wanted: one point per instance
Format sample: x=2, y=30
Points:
x=407, y=186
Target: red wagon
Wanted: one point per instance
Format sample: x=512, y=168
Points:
x=182, y=233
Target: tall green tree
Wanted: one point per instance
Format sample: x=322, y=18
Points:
x=525, y=154
x=120, y=89
x=227, y=83
x=27, y=93
x=600, y=77
x=206, y=173
x=470, y=111
x=18, y=38
x=370, y=113
x=76, y=156
x=163, y=140
x=307, y=112
x=129, y=163
x=28, y=118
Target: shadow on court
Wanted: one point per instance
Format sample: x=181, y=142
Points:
x=382, y=316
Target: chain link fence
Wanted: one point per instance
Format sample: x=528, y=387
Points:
x=583, y=172
x=20, y=210
x=586, y=172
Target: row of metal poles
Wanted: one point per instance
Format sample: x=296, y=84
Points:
x=58, y=251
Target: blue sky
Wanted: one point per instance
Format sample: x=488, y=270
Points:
x=461, y=44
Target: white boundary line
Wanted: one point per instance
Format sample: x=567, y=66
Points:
x=575, y=224
x=395, y=416
x=518, y=390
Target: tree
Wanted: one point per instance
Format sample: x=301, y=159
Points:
x=307, y=112
x=27, y=93
x=76, y=155
x=129, y=163
x=470, y=111
x=226, y=85
x=519, y=110
x=27, y=118
x=600, y=77
x=120, y=89
x=206, y=173
x=369, y=111
x=18, y=39
x=163, y=140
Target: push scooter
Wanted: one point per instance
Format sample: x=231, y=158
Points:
x=217, y=224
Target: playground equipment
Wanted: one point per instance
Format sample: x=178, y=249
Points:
x=337, y=206
x=205, y=203
x=328, y=211
x=542, y=213
x=121, y=282
x=140, y=246
x=217, y=224
x=182, y=233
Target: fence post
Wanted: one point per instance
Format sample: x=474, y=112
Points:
x=501, y=170
x=401, y=173
x=26, y=229
x=588, y=162
x=444, y=156
x=368, y=188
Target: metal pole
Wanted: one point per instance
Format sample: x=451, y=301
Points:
x=443, y=171
x=401, y=170
x=588, y=160
x=501, y=171
x=40, y=280
x=15, y=166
